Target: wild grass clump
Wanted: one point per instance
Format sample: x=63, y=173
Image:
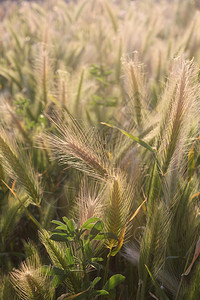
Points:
x=99, y=150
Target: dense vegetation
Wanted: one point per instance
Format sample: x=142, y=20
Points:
x=99, y=150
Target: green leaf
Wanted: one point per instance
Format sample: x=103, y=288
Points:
x=95, y=281
x=59, y=237
x=88, y=250
x=57, y=222
x=88, y=222
x=69, y=257
x=61, y=226
x=134, y=138
x=113, y=282
x=96, y=229
x=65, y=220
x=160, y=292
x=101, y=293
x=70, y=225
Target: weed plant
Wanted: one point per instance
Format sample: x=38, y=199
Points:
x=99, y=150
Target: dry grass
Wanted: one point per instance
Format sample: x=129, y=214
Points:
x=66, y=68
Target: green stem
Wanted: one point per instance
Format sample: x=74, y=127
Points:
x=107, y=268
x=138, y=290
x=24, y=207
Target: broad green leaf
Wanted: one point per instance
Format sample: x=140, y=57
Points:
x=56, y=222
x=89, y=226
x=65, y=219
x=88, y=250
x=89, y=221
x=113, y=282
x=59, y=237
x=96, y=229
x=70, y=225
x=101, y=293
x=61, y=226
x=95, y=281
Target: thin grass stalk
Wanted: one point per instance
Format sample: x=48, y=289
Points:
x=24, y=207
x=16, y=167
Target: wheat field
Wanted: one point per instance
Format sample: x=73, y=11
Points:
x=100, y=150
